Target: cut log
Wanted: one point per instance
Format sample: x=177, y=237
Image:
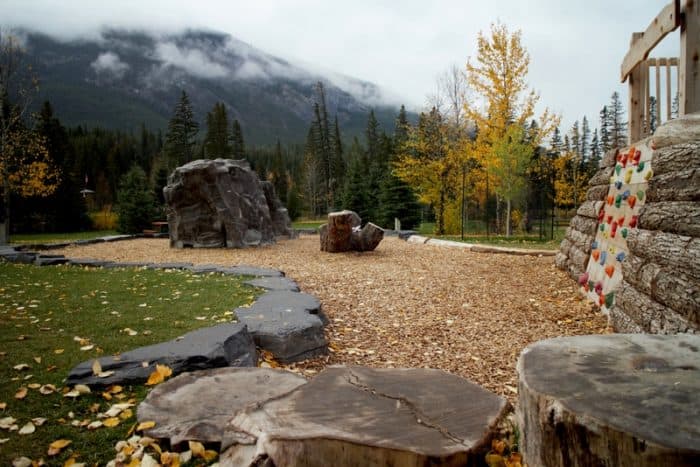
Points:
x=580, y=240
x=677, y=131
x=676, y=252
x=602, y=177
x=585, y=225
x=598, y=192
x=367, y=238
x=651, y=315
x=336, y=238
x=675, y=186
x=626, y=400
x=622, y=323
x=590, y=209
x=362, y=416
x=675, y=158
x=680, y=217
x=197, y=406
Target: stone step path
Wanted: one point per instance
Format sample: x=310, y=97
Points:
x=343, y=416
x=619, y=399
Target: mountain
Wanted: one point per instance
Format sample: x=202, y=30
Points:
x=126, y=78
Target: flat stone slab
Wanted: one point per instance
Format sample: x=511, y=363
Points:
x=274, y=283
x=288, y=324
x=128, y=264
x=197, y=406
x=227, y=344
x=244, y=270
x=365, y=416
x=95, y=263
x=50, y=260
x=625, y=399
x=175, y=265
x=21, y=257
x=115, y=238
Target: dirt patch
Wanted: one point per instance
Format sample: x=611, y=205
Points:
x=409, y=305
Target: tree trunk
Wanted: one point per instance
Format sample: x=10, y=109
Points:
x=508, y=227
x=597, y=400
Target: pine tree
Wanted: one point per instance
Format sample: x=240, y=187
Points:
x=356, y=196
x=594, y=160
x=216, y=141
x=575, y=139
x=618, y=126
x=556, y=143
x=652, y=114
x=605, y=143
x=237, y=144
x=136, y=206
x=585, y=139
x=338, y=166
x=180, y=138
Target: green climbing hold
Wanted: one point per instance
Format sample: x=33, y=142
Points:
x=609, y=299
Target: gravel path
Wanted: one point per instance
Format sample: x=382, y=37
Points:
x=410, y=305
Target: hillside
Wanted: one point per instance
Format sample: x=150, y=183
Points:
x=127, y=78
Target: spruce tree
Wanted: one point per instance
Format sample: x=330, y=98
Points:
x=618, y=125
x=180, y=138
x=605, y=143
x=237, y=144
x=216, y=141
x=338, y=166
x=356, y=196
x=652, y=114
x=585, y=139
x=136, y=206
x=556, y=142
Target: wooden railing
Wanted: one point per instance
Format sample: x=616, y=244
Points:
x=635, y=67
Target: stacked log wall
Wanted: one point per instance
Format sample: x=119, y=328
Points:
x=660, y=288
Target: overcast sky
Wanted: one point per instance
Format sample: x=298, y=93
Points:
x=576, y=47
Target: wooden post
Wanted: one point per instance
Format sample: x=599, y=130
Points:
x=689, y=67
x=668, y=90
x=636, y=99
x=658, y=96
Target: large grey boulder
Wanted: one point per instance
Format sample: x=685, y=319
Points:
x=364, y=416
x=287, y=324
x=227, y=344
x=197, y=406
x=222, y=203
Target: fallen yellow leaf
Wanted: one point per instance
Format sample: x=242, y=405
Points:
x=145, y=425
x=96, y=367
x=21, y=393
x=58, y=351
x=197, y=448
x=158, y=376
x=3, y=405
x=209, y=455
x=47, y=389
x=57, y=446
x=27, y=429
x=111, y=422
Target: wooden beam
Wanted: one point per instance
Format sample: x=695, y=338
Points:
x=665, y=22
x=658, y=97
x=689, y=67
x=636, y=97
x=672, y=61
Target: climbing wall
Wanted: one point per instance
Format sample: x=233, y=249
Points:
x=634, y=244
x=617, y=217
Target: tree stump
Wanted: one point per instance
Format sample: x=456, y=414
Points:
x=613, y=400
x=353, y=416
x=343, y=233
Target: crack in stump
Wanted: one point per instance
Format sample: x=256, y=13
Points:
x=417, y=413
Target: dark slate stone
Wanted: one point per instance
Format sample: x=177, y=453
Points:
x=198, y=405
x=274, y=283
x=95, y=263
x=288, y=324
x=224, y=345
x=222, y=203
x=115, y=238
x=205, y=268
x=170, y=266
x=127, y=264
x=19, y=257
x=243, y=270
x=88, y=241
x=50, y=260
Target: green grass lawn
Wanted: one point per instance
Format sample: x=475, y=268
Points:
x=308, y=224
x=59, y=237
x=476, y=234
x=52, y=318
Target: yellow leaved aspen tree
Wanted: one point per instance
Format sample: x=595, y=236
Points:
x=501, y=100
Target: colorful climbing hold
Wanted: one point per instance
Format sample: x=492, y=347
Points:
x=618, y=201
x=603, y=256
x=594, y=244
x=620, y=256
x=628, y=175
x=633, y=221
x=640, y=167
x=618, y=184
x=632, y=200
x=624, y=232
x=640, y=195
x=626, y=194
x=648, y=175
x=609, y=299
x=610, y=270
x=583, y=278
x=595, y=254
x=613, y=229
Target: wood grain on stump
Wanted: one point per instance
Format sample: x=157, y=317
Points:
x=613, y=400
x=363, y=416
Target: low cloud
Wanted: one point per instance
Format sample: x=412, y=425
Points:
x=193, y=61
x=109, y=62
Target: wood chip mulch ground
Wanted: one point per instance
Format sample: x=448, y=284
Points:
x=410, y=305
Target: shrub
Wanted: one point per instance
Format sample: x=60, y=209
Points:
x=106, y=219
x=136, y=203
